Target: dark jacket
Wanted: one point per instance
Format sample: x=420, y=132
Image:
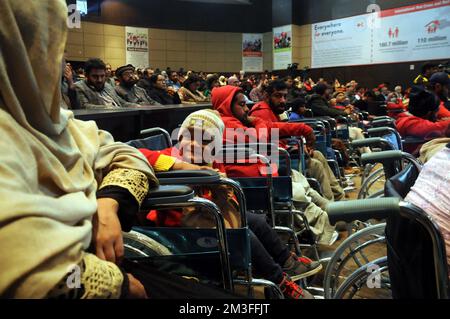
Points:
x=320, y=107
x=135, y=94
x=158, y=95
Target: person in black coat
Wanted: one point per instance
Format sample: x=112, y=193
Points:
x=156, y=88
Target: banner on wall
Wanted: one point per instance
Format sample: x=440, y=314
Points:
x=413, y=33
x=136, y=46
x=252, y=52
x=282, y=47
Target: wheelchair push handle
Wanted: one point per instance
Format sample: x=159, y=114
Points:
x=363, y=210
x=373, y=142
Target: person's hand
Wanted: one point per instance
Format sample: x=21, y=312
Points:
x=68, y=74
x=184, y=166
x=107, y=232
x=251, y=119
x=171, y=91
x=136, y=289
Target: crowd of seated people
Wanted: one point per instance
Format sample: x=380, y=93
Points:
x=68, y=190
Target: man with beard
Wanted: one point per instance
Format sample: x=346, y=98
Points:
x=95, y=93
x=229, y=101
x=128, y=90
x=270, y=109
x=439, y=83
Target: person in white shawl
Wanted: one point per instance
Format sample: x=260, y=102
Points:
x=51, y=168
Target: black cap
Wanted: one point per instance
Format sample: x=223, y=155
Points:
x=441, y=78
x=124, y=68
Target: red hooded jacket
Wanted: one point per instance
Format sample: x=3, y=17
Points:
x=261, y=130
x=409, y=125
x=263, y=111
x=221, y=100
x=443, y=112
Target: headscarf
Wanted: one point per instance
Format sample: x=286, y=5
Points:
x=51, y=165
x=33, y=36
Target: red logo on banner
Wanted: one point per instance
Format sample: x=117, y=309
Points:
x=433, y=26
x=393, y=32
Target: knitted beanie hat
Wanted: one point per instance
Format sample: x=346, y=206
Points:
x=207, y=120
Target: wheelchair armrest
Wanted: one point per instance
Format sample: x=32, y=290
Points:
x=372, y=142
x=380, y=131
x=382, y=118
x=173, y=194
x=188, y=177
x=342, y=119
x=363, y=210
x=414, y=140
x=383, y=122
x=385, y=158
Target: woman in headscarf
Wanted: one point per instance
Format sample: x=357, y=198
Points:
x=63, y=182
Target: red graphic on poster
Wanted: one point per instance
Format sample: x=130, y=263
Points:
x=393, y=33
x=433, y=26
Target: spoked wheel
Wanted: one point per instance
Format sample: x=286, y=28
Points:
x=139, y=245
x=370, y=281
x=356, y=251
x=373, y=186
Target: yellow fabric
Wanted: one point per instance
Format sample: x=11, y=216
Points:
x=101, y=279
x=431, y=148
x=50, y=163
x=134, y=181
x=164, y=163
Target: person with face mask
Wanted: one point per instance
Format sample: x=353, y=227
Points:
x=95, y=93
x=128, y=90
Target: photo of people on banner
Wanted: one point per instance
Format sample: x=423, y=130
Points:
x=282, y=40
x=252, y=47
x=137, y=42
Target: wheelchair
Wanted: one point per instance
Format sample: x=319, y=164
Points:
x=390, y=237
x=196, y=249
x=431, y=282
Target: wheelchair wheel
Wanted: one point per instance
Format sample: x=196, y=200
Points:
x=139, y=245
x=356, y=251
x=370, y=281
x=373, y=186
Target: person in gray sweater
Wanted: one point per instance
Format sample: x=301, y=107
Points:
x=95, y=93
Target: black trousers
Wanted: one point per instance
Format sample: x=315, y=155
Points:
x=162, y=285
x=268, y=252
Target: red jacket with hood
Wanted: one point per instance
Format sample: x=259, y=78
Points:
x=264, y=111
x=221, y=100
x=410, y=125
x=443, y=112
